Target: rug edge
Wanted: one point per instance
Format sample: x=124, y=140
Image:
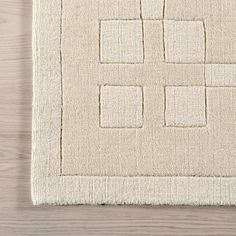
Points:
x=74, y=190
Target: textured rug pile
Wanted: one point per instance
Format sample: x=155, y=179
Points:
x=134, y=102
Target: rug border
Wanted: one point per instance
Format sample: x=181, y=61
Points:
x=134, y=190
x=47, y=186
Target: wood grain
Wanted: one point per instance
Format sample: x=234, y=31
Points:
x=17, y=215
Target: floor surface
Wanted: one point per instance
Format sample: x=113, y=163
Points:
x=17, y=215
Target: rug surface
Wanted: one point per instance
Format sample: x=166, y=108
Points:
x=134, y=102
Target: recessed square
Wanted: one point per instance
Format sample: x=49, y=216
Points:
x=185, y=106
x=152, y=9
x=184, y=41
x=121, y=41
x=121, y=107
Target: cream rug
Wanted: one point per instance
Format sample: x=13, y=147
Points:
x=134, y=102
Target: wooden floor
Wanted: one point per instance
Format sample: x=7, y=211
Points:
x=17, y=215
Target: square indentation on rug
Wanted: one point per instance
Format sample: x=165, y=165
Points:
x=220, y=75
x=121, y=41
x=152, y=9
x=121, y=107
x=184, y=41
x=185, y=106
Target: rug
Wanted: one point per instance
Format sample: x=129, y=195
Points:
x=134, y=102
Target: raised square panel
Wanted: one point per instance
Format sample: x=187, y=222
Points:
x=121, y=107
x=184, y=41
x=220, y=75
x=152, y=9
x=185, y=106
x=121, y=41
